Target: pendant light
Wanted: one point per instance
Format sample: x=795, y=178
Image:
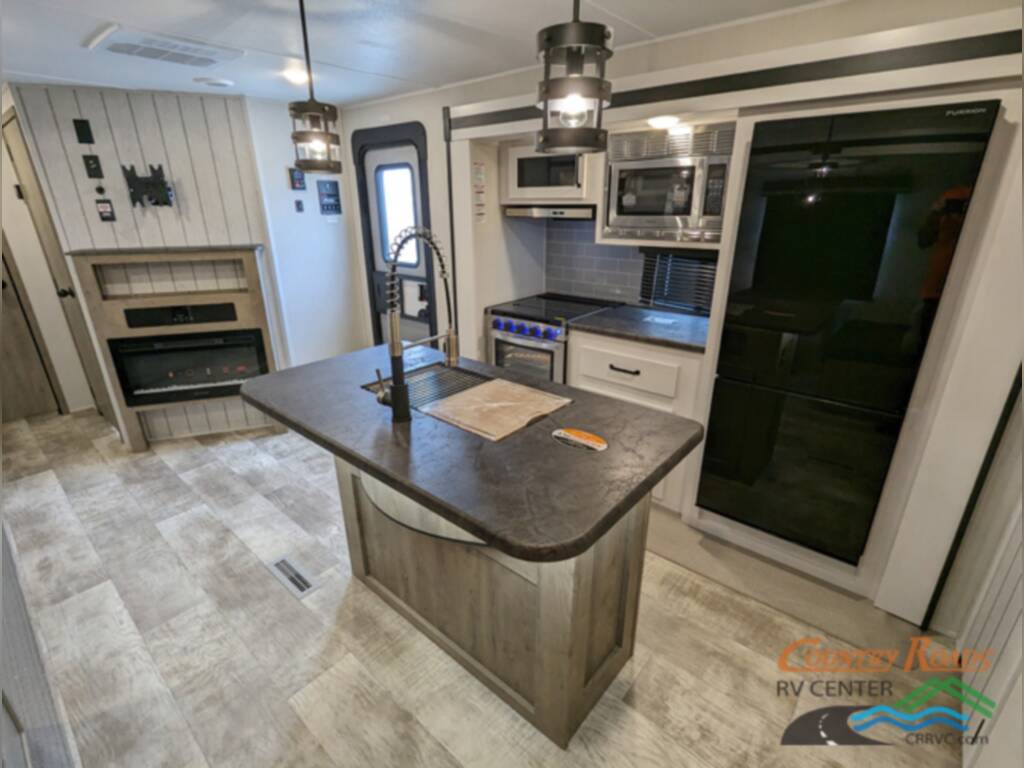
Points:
x=573, y=93
x=317, y=146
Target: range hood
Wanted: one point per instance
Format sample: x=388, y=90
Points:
x=550, y=211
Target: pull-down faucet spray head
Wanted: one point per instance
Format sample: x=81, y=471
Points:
x=398, y=393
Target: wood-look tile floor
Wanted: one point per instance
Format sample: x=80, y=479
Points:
x=171, y=643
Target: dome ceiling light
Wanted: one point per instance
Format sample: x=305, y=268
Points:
x=573, y=93
x=663, y=122
x=317, y=146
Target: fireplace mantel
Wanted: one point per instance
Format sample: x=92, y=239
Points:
x=123, y=293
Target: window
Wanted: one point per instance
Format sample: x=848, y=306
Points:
x=681, y=279
x=396, y=208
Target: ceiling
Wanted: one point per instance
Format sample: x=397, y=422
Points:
x=362, y=49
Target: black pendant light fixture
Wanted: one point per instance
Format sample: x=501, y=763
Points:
x=573, y=93
x=317, y=146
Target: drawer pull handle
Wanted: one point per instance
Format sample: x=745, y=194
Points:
x=616, y=368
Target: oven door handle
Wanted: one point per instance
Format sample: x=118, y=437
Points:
x=525, y=341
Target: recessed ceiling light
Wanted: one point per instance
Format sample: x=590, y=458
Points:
x=295, y=75
x=214, y=82
x=662, y=122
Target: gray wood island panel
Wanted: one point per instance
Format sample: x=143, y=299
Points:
x=521, y=558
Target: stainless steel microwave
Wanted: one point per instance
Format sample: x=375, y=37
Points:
x=668, y=186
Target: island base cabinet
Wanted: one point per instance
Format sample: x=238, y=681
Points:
x=547, y=637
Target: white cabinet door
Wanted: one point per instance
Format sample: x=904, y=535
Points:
x=645, y=374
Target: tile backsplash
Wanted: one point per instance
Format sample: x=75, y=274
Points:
x=579, y=266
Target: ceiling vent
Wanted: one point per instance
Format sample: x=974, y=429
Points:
x=174, y=50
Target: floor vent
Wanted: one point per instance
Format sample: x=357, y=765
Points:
x=292, y=575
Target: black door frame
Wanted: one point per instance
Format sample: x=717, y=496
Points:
x=364, y=140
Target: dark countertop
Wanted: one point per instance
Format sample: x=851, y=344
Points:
x=651, y=326
x=527, y=495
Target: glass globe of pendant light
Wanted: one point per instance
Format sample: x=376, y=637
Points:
x=573, y=94
x=317, y=146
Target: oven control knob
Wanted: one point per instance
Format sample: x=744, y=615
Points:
x=496, y=324
x=521, y=328
x=509, y=325
x=550, y=333
x=535, y=331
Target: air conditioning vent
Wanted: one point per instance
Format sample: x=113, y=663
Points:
x=174, y=50
x=645, y=145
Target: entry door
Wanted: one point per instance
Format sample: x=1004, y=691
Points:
x=392, y=178
x=26, y=388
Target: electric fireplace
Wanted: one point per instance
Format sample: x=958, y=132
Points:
x=193, y=366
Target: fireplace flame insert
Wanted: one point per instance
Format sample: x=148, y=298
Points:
x=180, y=367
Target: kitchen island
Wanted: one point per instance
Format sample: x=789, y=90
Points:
x=520, y=558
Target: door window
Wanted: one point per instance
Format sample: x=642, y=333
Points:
x=396, y=206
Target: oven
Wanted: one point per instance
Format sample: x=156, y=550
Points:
x=533, y=355
x=663, y=186
x=190, y=366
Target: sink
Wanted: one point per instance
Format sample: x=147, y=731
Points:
x=435, y=382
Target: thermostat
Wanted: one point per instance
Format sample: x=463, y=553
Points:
x=330, y=197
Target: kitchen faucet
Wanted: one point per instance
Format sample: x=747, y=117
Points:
x=397, y=393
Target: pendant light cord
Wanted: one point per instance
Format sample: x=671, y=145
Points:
x=305, y=47
x=575, y=10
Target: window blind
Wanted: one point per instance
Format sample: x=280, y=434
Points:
x=679, y=279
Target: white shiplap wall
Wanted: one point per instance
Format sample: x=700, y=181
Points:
x=132, y=279
x=204, y=144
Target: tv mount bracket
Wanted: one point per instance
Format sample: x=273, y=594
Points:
x=152, y=189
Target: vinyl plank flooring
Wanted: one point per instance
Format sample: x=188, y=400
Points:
x=121, y=712
x=286, y=637
x=720, y=663
x=261, y=470
x=150, y=578
x=173, y=644
x=615, y=734
x=153, y=584
x=359, y=723
x=22, y=455
x=218, y=485
x=57, y=436
x=57, y=559
x=90, y=425
x=234, y=711
x=314, y=510
x=271, y=535
x=164, y=496
x=182, y=454
x=82, y=471
x=720, y=730
x=723, y=611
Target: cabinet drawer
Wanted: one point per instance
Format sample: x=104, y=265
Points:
x=633, y=371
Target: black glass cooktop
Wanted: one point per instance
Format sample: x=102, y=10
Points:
x=552, y=307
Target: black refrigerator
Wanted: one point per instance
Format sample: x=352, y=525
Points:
x=848, y=230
